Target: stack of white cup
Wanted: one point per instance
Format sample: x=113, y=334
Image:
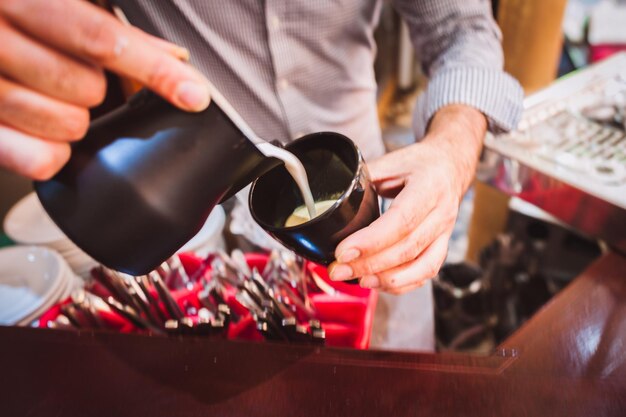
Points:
x=32, y=279
x=27, y=223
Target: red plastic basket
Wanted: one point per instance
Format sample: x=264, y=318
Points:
x=346, y=316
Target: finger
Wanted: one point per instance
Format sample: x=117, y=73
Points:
x=403, y=251
x=403, y=216
x=90, y=33
x=45, y=70
x=171, y=48
x=30, y=156
x=406, y=289
x=424, y=267
x=41, y=116
x=387, y=183
x=176, y=51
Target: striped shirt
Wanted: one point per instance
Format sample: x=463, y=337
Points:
x=292, y=67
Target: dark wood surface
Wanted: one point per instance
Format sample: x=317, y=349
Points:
x=568, y=360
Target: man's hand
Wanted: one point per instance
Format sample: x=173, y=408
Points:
x=51, y=72
x=408, y=244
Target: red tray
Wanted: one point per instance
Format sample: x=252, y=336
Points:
x=346, y=316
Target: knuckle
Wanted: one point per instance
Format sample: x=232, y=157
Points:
x=60, y=77
x=451, y=215
x=407, y=217
x=84, y=84
x=432, y=269
x=99, y=40
x=41, y=123
x=409, y=251
x=59, y=122
x=95, y=88
x=160, y=75
x=8, y=6
x=76, y=124
x=366, y=268
x=390, y=282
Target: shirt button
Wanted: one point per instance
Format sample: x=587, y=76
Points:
x=283, y=84
x=274, y=22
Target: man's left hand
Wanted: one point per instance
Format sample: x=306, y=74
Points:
x=408, y=244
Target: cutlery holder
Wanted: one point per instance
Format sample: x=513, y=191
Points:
x=346, y=316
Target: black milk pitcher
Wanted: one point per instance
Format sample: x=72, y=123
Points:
x=146, y=176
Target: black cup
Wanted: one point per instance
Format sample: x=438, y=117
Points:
x=336, y=170
x=146, y=176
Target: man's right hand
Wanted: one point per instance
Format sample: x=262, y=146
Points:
x=52, y=58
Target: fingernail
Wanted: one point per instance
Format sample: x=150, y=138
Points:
x=348, y=255
x=370, y=281
x=194, y=96
x=340, y=272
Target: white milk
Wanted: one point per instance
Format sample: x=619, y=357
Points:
x=300, y=214
x=295, y=168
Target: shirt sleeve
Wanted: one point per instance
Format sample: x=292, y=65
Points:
x=459, y=46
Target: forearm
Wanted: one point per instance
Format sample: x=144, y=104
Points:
x=457, y=131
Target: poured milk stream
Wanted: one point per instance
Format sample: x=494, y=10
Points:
x=292, y=163
x=295, y=168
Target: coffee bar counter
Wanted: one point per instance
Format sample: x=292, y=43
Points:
x=567, y=360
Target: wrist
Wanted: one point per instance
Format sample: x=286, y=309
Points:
x=461, y=120
x=457, y=131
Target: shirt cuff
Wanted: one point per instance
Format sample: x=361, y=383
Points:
x=491, y=91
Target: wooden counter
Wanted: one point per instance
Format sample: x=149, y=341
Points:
x=569, y=360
